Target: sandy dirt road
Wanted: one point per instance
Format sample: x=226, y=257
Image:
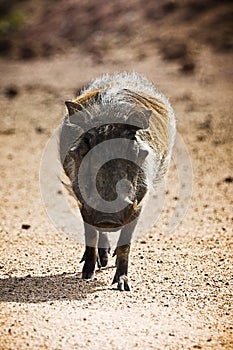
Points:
x=182, y=282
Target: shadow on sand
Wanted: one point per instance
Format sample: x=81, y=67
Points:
x=47, y=288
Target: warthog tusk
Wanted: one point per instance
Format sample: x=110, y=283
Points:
x=135, y=204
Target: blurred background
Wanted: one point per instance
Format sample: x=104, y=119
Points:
x=177, y=29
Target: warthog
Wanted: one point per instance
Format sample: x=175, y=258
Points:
x=115, y=143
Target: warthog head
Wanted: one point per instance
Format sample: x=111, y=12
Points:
x=105, y=164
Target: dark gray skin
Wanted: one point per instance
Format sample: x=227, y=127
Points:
x=96, y=223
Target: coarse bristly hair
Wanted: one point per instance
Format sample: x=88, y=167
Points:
x=116, y=98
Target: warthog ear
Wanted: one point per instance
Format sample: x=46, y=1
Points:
x=83, y=101
x=72, y=107
x=140, y=119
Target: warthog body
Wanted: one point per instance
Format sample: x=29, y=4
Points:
x=115, y=143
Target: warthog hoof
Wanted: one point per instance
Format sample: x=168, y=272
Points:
x=123, y=283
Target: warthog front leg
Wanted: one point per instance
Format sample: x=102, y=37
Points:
x=90, y=254
x=122, y=257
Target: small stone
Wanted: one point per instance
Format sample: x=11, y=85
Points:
x=39, y=129
x=25, y=226
x=228, y=179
